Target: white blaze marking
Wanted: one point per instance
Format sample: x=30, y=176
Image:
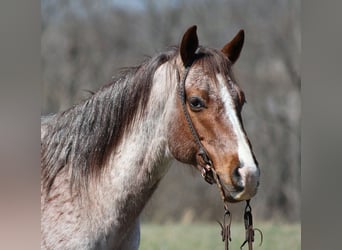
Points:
x=249, y=171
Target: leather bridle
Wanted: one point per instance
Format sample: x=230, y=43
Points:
x=209, y=174
x=207, y=170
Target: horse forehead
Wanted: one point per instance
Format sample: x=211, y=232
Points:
x=228, y=88
x=199, y=80
x=218, y=86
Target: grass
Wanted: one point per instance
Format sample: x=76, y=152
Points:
x=207, y=236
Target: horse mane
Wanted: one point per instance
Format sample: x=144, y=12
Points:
x=82, y=137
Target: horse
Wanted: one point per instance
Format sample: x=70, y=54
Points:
x=102, y=159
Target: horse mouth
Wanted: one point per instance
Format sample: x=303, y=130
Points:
x=232, y=193
x=237, y=194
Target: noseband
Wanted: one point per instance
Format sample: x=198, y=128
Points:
x=209, y=174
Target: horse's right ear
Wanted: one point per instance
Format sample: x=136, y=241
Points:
x=189, y=45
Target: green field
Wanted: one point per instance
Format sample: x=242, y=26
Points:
x=277, y=236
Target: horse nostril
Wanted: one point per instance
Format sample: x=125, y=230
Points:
x=237, y=179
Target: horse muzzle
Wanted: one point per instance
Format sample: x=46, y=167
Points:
x=245, y=183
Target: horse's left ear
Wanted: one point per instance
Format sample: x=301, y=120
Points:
x=189, y=45
x=233, y=48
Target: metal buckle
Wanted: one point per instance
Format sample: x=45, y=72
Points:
x=207, y=174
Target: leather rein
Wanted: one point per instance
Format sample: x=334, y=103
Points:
x=209, y=174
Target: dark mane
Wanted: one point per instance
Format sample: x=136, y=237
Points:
x=83, y=136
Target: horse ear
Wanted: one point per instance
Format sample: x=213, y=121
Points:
x=233, y=48
x=189, y=45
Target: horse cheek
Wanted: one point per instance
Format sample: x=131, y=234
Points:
x=180, y=142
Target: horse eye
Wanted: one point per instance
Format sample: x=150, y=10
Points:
x=196, y=103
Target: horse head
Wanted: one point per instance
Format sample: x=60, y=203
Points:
x=214, y=102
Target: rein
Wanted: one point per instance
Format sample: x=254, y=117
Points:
x=209, y=174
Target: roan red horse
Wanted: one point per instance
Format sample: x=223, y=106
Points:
x=102, y=159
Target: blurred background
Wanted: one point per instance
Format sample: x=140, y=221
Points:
x=84, y=43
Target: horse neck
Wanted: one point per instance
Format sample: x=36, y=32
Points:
x=141, y=160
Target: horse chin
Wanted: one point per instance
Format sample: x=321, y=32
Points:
x=235, y=196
